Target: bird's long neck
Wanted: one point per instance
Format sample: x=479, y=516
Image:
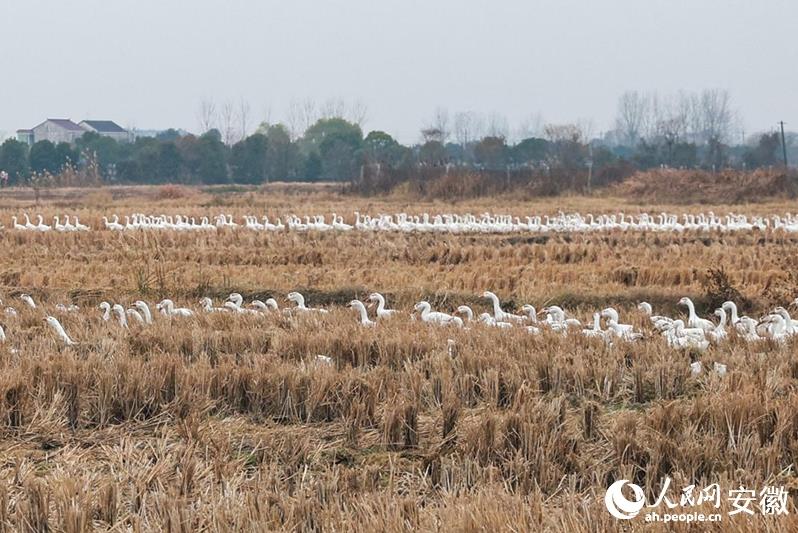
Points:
x=497, y=309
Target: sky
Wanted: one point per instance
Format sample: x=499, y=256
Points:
x=150, y=63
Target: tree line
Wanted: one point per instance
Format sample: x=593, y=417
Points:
x=688, y=130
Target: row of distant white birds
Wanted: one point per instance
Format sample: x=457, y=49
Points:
x=695, y=333
x=427, y=223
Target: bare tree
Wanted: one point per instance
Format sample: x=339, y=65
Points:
x=717, y=116
x=301, y=115
x=243, y=118
x=563, y=132
x=358, y=112
x=438, y=128
x=333, y=108
x=530, y=126
x=207, y=115
x=228, y=116
x=633, y=112
x=464, y=128
x=497, y=125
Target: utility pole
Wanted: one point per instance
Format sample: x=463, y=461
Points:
x=783, y=144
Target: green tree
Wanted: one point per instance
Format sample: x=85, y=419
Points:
x=491, y=153
x=14, y=160
x=66, y=154
x=337, y=143
x=766, y=152
x=530, y=151
x=248, y=159
x=432, y=153
x=44, y=157
x=212, y=164
x=282, y=156
x=379, y=147
x=169, y=162
x=105, y=149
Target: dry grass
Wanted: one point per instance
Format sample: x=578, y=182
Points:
x=224, y=423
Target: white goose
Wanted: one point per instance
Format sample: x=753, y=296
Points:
x=435, y=317
x=731, y=310
x=485, y=318
x=207, y=306
x=611, y=314
x=686, y=338
x=121, y=316
x=719, y=333
x=467, y=312
x=28, y=300
x=498, y=313
x=646, y=308
x=235, y=303
x=693, y=320
x=167, y=307
x=299, y=300
x=135, y=315
x=531, y=313
x=59, y=330
x=144, y=309
x=382, y=312
x=358, y=306
x=105, y=307
x=595, y=330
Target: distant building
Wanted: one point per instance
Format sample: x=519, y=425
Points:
x=107, y=128
x=55, y=130
x=58, y=130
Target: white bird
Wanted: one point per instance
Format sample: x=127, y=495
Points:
x=499, y=314
x=612, y=315
x=28, y=300
x=59, y=330
x=358, y=306
x=466, y=311
x=531, y=313
x=485, y=318
x=719, y=333
x=235, y=303
x=299, y=300
x=646, y=308
x=435, y=317
x=686, y=338
x=135, y=315
x=731, y=308
x=324, y=360
x=696, y=368
x=382, y=312
x=167, y=307
x=595, y=330
x=121, y=316
x=145, y=311
x=693, y=320
x=105, y=307
x=207, y=306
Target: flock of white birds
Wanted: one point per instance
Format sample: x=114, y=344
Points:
x=694, y=333
x=427, y=223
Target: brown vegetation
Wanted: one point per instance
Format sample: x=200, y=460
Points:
x=698, y=186
x=227, y=423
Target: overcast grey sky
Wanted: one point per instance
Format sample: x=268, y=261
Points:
x=148, y=63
